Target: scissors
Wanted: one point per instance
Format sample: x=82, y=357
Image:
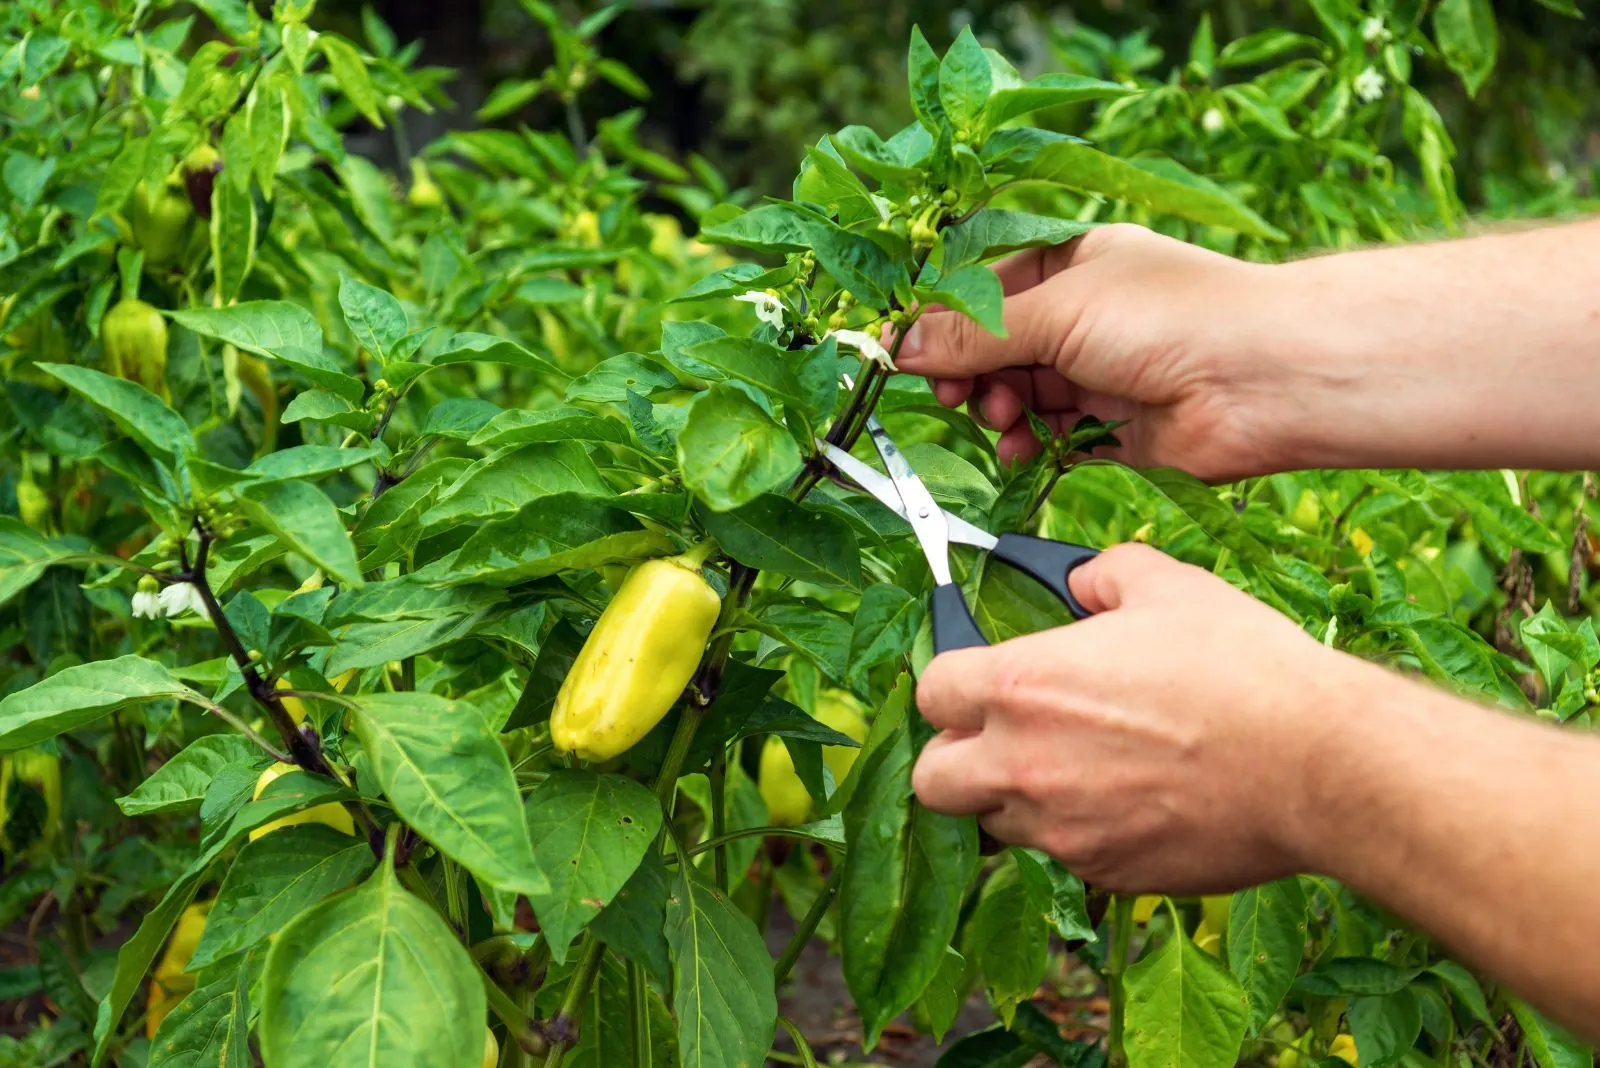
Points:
x=903, y=493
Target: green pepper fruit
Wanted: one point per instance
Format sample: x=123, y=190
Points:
x=161, y=224
x=424, y=192
x=637, y=660
x=33, y=503
x=134, y=336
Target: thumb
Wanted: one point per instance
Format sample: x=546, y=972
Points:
x=1131, y=574
x=946, y=344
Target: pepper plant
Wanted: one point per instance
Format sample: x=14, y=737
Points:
x=482, y=701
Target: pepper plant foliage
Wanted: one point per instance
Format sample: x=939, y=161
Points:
x=402, y=451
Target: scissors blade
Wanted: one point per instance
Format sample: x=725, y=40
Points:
x=927, y=521
x=881, y=487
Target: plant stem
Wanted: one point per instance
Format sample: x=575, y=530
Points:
x=519, y=1028
x=248, y=731
x=719, y=820
x=639, y=998
x=808, y=925
x=564, y=1028
x=1121, y=936
x=677, y=751
x=575, y=130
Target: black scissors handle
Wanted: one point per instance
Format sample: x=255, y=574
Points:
x=1045, y=561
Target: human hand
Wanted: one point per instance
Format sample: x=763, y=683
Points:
x=1123, y=324
x=1161, y=745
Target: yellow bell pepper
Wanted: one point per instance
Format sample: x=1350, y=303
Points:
x=491, y=1049
x=332, y=814
x=1344, y=1047
x=788, y=803
x=170, y=983
x=636, y=662
x=842, y=712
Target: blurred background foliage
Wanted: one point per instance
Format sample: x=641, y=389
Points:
x=748, y=83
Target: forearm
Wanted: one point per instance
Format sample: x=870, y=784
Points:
x=1481, y=828
x=1474, y=353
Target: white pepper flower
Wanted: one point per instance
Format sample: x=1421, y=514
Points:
x=1369, y=85
x=1212, y=121
x=179, y=598
x=867, y=345
x=769, y=309
x=146, y=604
x=1373, y=31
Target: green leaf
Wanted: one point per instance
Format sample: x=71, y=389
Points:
x=518, y=427
x=732, y=452
x=489, y=348
x=373, y=978
x=975, y=292
x=308, y=522
x=1069, y=908
x=180, y=784
x=78, y=696
x=305, y=461
x=996, y=232
x=773, y=533
x=1463, y=988
x=1161, y=186
x=611, y=380
x=866, y=151
x=856, y=262
x=350, y=71
x=941, y=1002
x=904, y=877
x=965, y=80
x=1009, y=936
x=1183, y=1008
x=922, y=71
x=289, y=794
x=635, y=922
x=275, y=329
x=234, y=230
x=507, y=479
x=1468, y=39
x=273, y=880
x=373, y=315
x=1264, y=46
x=767, y=228
x=267, y=119
x=722, y=992
x=136, y=411
x=560, y=532
x=886, y=625
x=122, y=176
x=1354, y=977
x=590, y=833
x=26, y=176
x=1048, y=91
x=1453, y=654
x=1266, y=939
x=449, y=778
x=210, y=1028
x=1200, y=503
x=756, y=362
x=1551, y=1046
x=1385, y=1028
x=24, y=556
